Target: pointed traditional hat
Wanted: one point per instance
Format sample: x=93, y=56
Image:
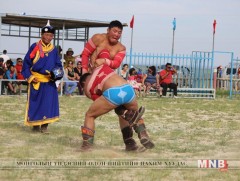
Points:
x=48, y=28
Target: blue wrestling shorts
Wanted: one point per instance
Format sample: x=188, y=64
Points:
x=119, y=95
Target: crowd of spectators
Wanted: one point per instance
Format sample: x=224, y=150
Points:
x=143, y=83
x=151, y=80
x=10, y=75
x=12, y=78
x=72, y=73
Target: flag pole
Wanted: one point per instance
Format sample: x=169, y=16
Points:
x=214, y=29
x=174, y=28
x=131, y=26
x=172, y=47
x=130, y=63
x=213, y=42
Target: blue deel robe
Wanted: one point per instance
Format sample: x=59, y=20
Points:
x=42, y=104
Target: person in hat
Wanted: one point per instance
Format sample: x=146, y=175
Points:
x=41, y=67
x=68, y=57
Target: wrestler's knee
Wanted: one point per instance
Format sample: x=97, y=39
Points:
x=90, y=115
x=120, y=110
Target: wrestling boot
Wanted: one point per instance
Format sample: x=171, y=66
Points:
x=140, y=129
x=130, y=143
x=44, y=129
x=129, y=115
x=88, y=137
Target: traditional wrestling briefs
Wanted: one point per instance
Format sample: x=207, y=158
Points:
x=119, y=95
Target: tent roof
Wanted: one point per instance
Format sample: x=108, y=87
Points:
x=57, y=23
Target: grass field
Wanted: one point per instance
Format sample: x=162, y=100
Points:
x=183, y=130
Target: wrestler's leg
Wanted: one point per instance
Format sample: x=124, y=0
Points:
x=132, y=114
x=126, y=117
x=94, y=111
x=140, y=128
x=97, y=109
x=127, y=134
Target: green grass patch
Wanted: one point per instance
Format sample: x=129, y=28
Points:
x=180, y=128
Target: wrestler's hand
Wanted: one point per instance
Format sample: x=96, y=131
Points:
x=34, y=80
x=99, y=62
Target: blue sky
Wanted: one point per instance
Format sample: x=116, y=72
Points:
x=153, y=22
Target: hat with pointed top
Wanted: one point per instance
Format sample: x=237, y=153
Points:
x=48, y=28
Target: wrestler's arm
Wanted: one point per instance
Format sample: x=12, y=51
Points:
x=117, y=60
x=114, y=64
x=88, y=50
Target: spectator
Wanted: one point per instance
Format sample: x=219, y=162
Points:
x=71, y=78
x=18, y=68
x=238, y=73
x=2, y=71
x=8, y=64
x=150, y=81
x=132, y=80
x=219, y=71
x=78, y=71
x=59, y=48
x=166, y=80
x=60, y=83
x=238, y=77
x=5, y=56
x=11, y=75
x=1, y=63
x=69, y=56
x=78, y=58
x=139, y=76
x=219, y=75
x=124, y=71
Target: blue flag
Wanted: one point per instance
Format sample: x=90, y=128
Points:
x=174, y=24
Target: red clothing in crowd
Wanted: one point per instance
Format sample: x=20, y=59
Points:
x=168, y=78
x=19, y=72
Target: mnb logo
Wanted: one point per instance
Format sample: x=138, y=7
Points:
x=222, y=164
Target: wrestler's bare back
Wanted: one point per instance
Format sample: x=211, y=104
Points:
x=113, y=81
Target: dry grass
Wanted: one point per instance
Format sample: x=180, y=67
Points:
x=182, y=129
